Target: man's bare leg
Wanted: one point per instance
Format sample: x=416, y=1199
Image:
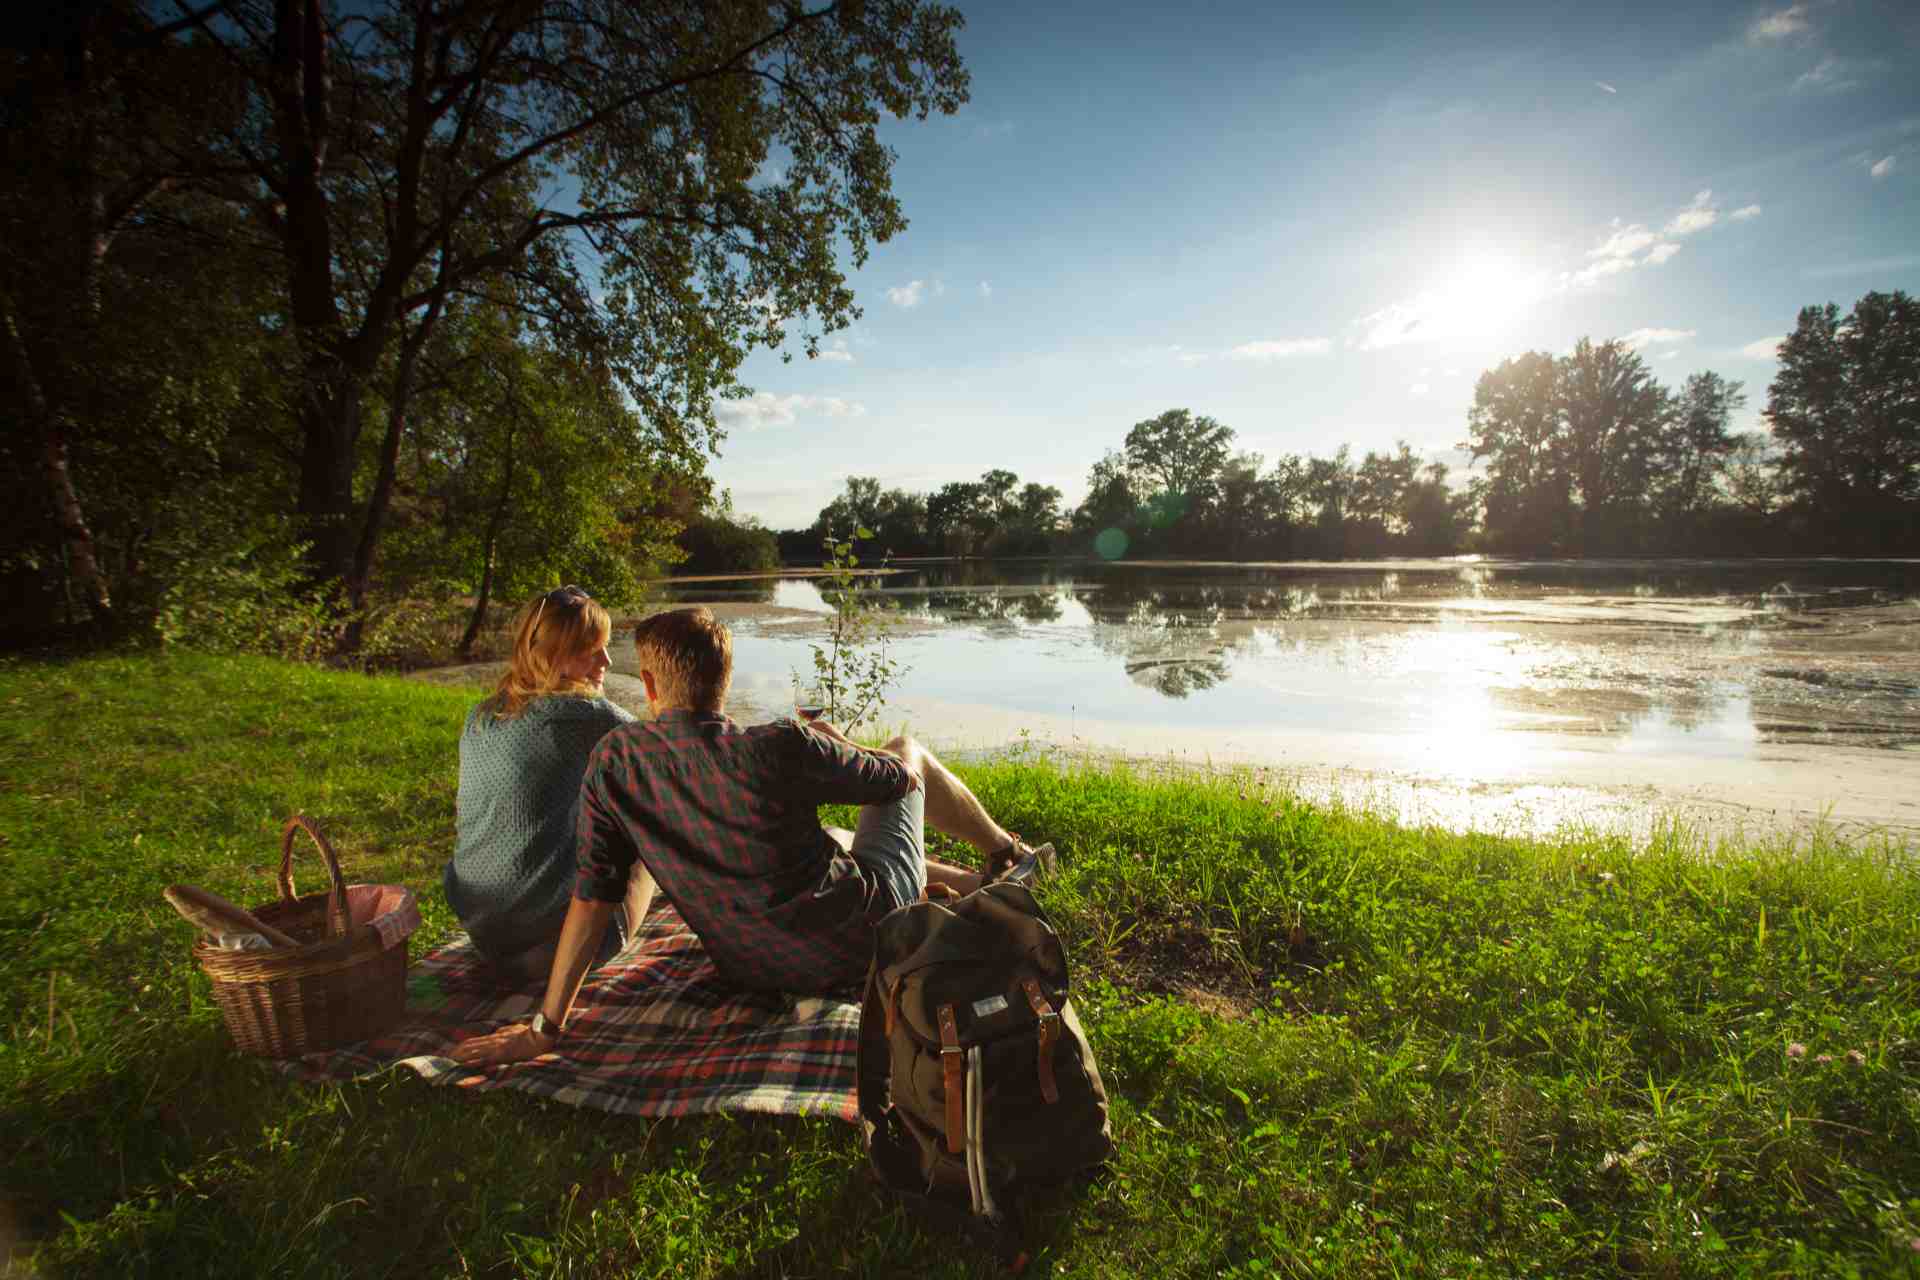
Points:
x=953, y=810
x=958, y=879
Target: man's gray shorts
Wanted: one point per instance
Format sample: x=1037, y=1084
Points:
x=891, y=847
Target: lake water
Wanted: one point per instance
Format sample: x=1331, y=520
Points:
x=1726, y=683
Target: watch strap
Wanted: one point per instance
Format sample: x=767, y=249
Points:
x=543, y=1025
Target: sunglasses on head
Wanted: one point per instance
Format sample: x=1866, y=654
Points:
x=559, y=598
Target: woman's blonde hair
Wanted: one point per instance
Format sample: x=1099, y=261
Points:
x=553, y=627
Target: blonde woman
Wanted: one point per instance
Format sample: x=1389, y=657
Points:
x=522, y=755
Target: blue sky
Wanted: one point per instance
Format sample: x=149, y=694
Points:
x=1320, y=227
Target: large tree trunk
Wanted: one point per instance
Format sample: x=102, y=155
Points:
x=69, y=516
x=381, y=499
x=66, y=336
x=334, y=368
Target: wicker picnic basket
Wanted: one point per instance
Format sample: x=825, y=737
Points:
x=345, y=982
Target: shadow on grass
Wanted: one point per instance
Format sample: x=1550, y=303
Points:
x=185, y=1158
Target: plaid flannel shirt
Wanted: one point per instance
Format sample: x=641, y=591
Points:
x=726, y=819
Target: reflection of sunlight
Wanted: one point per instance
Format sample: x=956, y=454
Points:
x=1465, y=730
x=1729, y=731
x=798, y=593
x=1073, y=614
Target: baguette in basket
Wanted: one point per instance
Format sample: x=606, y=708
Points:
x=214, y=915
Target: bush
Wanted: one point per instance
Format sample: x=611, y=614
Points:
x=251, y=599
x=718, y=544
x=420, y=629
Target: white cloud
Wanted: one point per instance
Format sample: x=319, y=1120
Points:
x=1394, y=324
x=1881, y=167
x=986, y=290
x=765, y=409
x=1790, y=21
x=1624, y=242
x=1697, y=216
x=939, y=288
x=1604, y=86
x=1418, y=389
x=1622, y=249
x=1186, y=357
x=1832, y=75
x=1744, y=212
x=1647, y=337
x=1281, y=349
x=1598, y=272
x=1669, y=355
x=838, y=352
x=1764, y=349
x=907, y=295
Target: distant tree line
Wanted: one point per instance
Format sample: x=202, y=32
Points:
x=1588, y=454
x=1581, y=454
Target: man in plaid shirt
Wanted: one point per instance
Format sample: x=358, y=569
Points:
x=724, y=819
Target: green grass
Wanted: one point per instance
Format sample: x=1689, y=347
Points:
x=1336, y=1047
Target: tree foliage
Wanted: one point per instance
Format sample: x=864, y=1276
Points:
x=407, y=153
x=334, y=196
x=1845, y=409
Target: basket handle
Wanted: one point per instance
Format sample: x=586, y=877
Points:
x=337, y=917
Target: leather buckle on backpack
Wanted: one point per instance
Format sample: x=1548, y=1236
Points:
x=1048, y=1031
x=953, y=1066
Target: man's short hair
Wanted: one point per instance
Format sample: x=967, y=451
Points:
x=690, y=653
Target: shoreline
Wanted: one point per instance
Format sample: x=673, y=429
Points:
x=1536, y=782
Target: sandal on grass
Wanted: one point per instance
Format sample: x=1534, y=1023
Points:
x=1020, y=863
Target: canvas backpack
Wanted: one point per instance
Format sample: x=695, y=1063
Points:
x=975, y=1077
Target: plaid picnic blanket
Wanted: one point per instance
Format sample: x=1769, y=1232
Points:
x=654, y=1032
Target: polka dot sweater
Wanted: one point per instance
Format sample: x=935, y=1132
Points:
x=513, y=865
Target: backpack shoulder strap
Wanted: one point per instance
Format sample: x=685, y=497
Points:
x=895, y=1155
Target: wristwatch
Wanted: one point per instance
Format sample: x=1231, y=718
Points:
x=545, y=1026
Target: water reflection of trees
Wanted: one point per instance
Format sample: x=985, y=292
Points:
x=1178, y=677
x=739, y=591
x=1025, y=605
x=1612, y=711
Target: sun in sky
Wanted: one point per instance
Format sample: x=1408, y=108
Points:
x=1483, y=294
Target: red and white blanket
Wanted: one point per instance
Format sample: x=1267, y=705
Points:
x=654, y=1032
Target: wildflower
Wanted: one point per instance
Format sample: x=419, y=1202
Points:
x=1796, y=1050
x=1824, y=1059
x=1855, y=1058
